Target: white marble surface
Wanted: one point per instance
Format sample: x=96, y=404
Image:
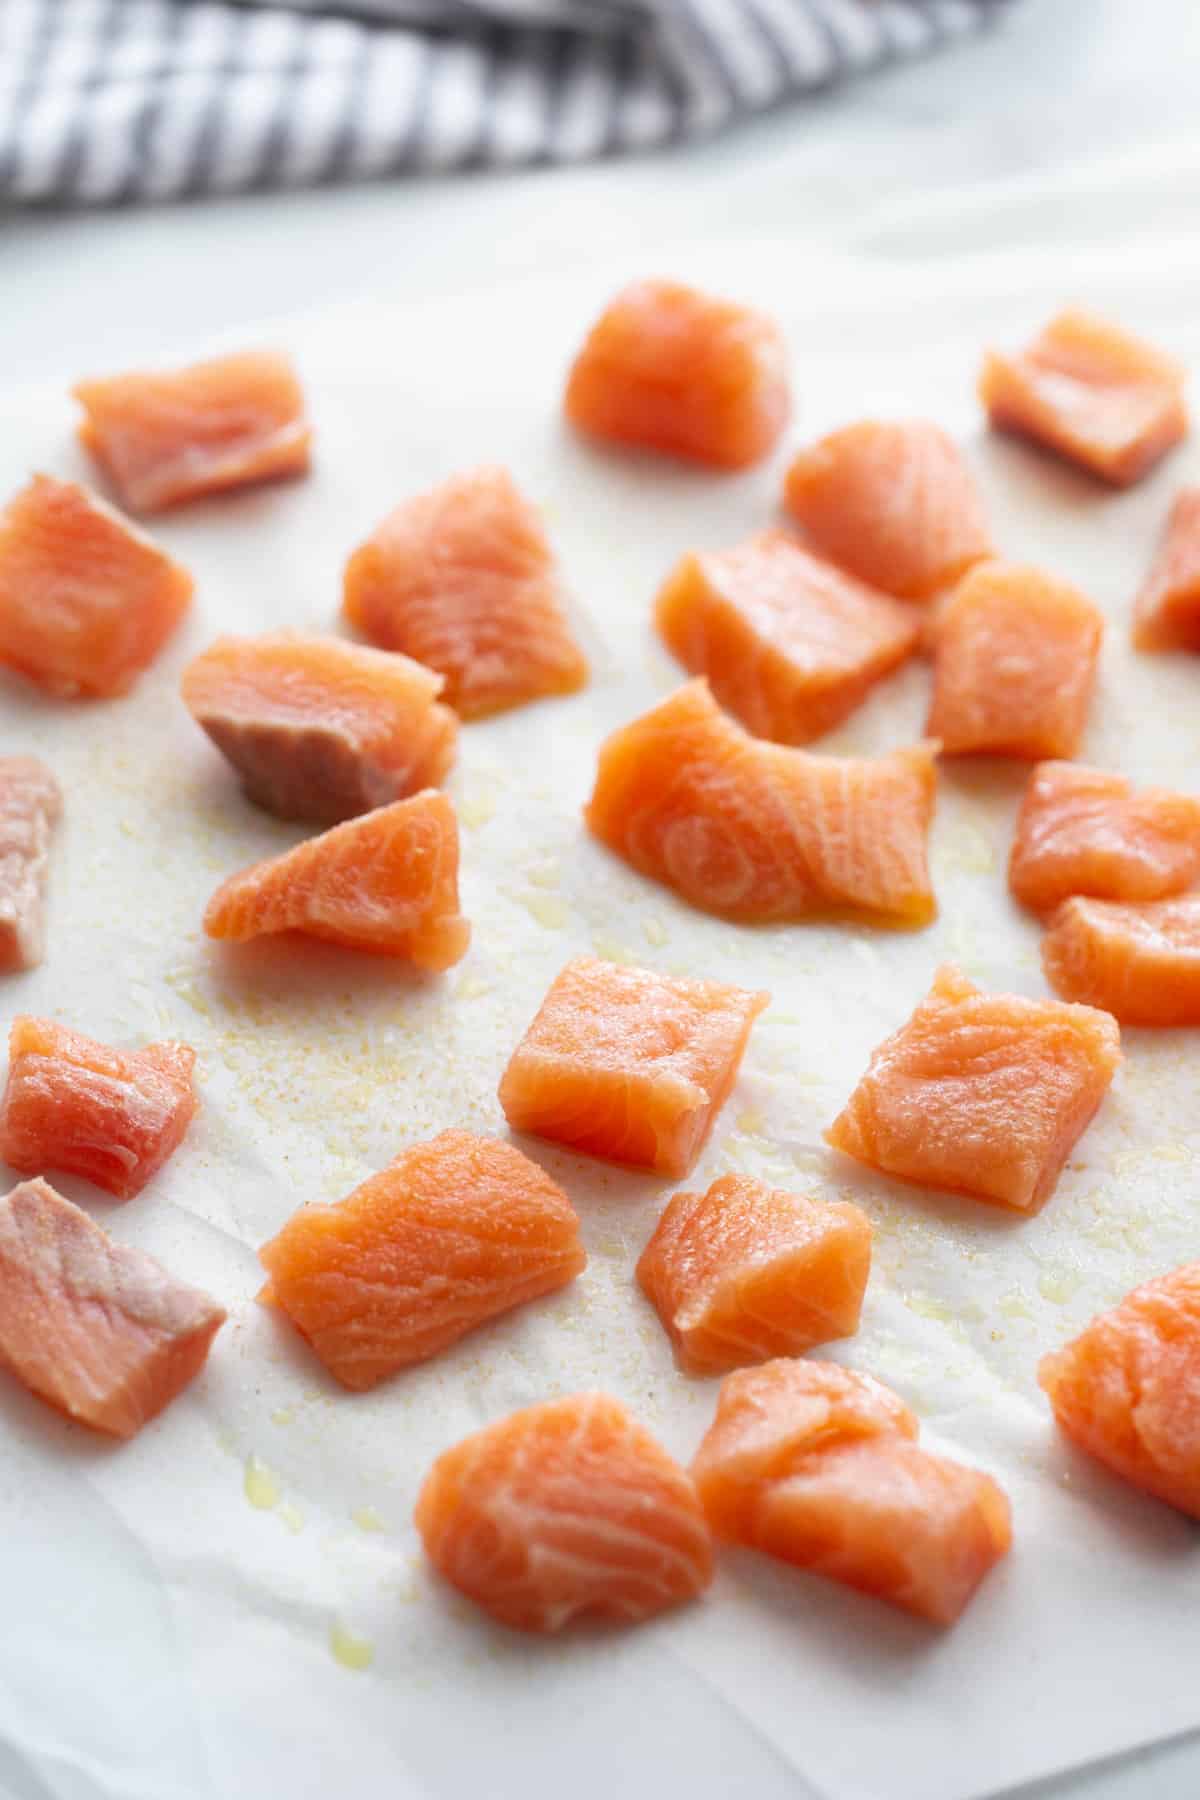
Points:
x=1075, y=123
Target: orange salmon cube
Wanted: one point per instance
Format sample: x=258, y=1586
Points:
x=761, y=832
x=746, y=1272
x=565, y=1511
x=629, y=1065
x=1091, y=393
x=30, y=807
x=1127, y=1390
x=320, y=729
x=451, y=1234
x=789, y=644
x=1166, y=613
x=463, y=579
x=1014, y=665
x=386, y=882
x=87, y=601
x=892, y=502
x=112, y=1116
x=1084, y=831
x=172, y=435
x=818, y=1466
x=1140, y=963
x=99, y=1330
x=670, y=369
x=981, y=1094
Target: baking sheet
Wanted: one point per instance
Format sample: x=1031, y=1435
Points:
x=183, y=1613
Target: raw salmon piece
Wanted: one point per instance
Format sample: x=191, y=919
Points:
x=818, y=1466
x=318, y=728
x=387, y=882
x=463, y=579
x=562, y=1511
x=760, y=832
x=628, y=1064
x=1140, y=963
x=1084, y=831
x=892, y=502
x=100, y=1330
x=113, y=1116
x=452, y=1233
x=1166, y=613
x=674, y=370
x=982, y=1094
x=746, y=1272
x=1014, y=665
x=174, y=434
x=788, y=643
x=1127, y=1390
x=87, y=600
x=1092, y=393
x=30, y=807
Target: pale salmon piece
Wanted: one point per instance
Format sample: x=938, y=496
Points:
x=318, y=728
x=562, y=1511
x=1014, y=665
x=87, y=600
x=746, y=1272
x=981, y=1094
x=1092, y=393
x=1127, y=1390
x=892, y=502
x=174, y=434
x=628, y=1064
x=30, y=807
x=451, y=1234
x=788, y=643
x=1085, y=831
x=1166, y=613
x=99, y=1330
x=761, y=832
x=1140, y=963
x=671, y=369
x=113, y=1116
x=463, y=579
x=818, y=1466
x=386, y=882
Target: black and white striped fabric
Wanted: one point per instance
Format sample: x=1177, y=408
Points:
x=104, y=101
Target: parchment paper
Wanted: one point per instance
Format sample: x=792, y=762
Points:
x=163, y=1636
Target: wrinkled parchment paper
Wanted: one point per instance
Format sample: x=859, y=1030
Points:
x=183, y=1615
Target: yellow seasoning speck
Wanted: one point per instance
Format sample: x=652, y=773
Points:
x=655, y=931
x=349, y=1648
x=545, y=874
x=292, y=1517
x=752, y=1122
x=548, y=909
x=1057, y=1285
x=260, y=1485
x=475, y=810
x=283, y=1415
x=367, y=1519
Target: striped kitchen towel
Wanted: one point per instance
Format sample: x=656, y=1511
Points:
x=119, y=100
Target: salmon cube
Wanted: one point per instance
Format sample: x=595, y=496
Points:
x=762, y=832
x=1127, y=1390
x=99, y=1330
x=1166, y=614
x=1091, y=393
x=628, y=1064
x=1084, y=831
x=789, y=644
x=112, y=1116
x=746, y=1272
x=674, y=370
x=892, y=502
x=87, y=601
x=1140, y=963
x=318, y=728
x=463, y=579
x=172, y=435
x=1014, y=665
x=818, y=1466
x=30, y=807
x=981, y=1094
x=451, y=1234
